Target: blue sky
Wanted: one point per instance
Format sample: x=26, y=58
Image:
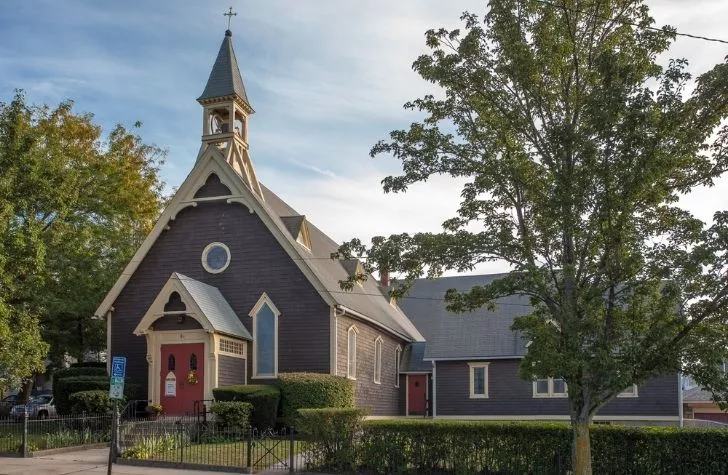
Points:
x=327, y=79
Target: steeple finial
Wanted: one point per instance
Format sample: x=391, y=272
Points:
x=230, y=16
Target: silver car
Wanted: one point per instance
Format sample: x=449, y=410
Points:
x=40, y=407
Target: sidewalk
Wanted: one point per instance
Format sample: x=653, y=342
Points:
x=85, y=462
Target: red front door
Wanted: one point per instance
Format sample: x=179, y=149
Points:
x=178, y=395
x=416, y=394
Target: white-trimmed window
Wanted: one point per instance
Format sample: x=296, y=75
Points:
x=549, y=387
x=478, y=380
x=397, y=358
x=378, y=360
x=215, y=257
x=629, y=392
x=265, y=338
x=232, y=347
x=351, y=352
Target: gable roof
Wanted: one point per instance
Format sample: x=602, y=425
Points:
x=479, y=334
x=204, y=302
x=214, y=306
x=366, y=302
x=225, y=78
x=697, y=394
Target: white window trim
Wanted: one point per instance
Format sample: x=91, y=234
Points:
x=634, y=392
x=265, y=300
x=349, y=373
x=551, y=393
x=471, y=370
x=397, y=367
x=378, y=344
x=207, y=249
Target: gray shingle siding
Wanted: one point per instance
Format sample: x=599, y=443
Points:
x=230, y=370
x=258, y=265
x=509, y=395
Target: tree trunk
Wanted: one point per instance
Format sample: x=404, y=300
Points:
x=581, y=446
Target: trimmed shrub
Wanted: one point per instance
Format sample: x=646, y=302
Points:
x=232, y=415
x=74, y=371
x=89, y=364
x=417, y=446
x=91, y=402
x=312, y=390
x=334, y=431
x=64, y=387
x=264, y=398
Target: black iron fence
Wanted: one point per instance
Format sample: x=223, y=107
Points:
x=24, y=435
x=193, y=441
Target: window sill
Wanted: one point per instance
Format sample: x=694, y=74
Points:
x=353, y=378
x=264, y=376
x=478, y=396
x=378, y=382
x=551, y=396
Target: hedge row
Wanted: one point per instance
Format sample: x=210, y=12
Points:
x=293, y=391
x=264, y=399
x=334, y=430
x=64, y=387
x=91, y=402
x=459, y=447
x=232, y=415
x=74, y=371
x=312, y=390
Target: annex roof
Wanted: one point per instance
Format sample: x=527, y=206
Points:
x=479, y=334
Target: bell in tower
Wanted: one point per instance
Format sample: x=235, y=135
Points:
x=226, y=110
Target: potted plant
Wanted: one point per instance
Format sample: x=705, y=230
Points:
x=154, y=410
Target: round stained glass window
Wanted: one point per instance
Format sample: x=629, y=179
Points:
x=216, y=258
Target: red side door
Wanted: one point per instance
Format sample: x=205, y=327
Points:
x=177, y=394
x=416, y=394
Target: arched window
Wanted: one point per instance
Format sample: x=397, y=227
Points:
x=378, y=360
x=170, y=363
x=351, y=350
x=265, y=338
x=193, y=362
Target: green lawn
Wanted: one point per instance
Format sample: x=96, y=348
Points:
x=49, y=435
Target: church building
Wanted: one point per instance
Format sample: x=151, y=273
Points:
x=234, y=286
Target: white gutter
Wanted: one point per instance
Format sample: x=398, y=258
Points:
x=680, y=400
x=476, y=358
x=434, y=390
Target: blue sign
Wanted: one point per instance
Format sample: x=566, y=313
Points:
x=118, y=367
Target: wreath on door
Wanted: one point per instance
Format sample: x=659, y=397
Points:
x=192, y=377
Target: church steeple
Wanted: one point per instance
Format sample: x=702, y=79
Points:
x=226, y=110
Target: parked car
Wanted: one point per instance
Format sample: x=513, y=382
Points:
x=7, y=403
x=41, y=407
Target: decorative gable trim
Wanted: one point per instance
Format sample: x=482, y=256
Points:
x=264, y=299
x=156, y=310
x=212, y=161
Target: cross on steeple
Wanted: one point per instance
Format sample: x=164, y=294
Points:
x=230, y=16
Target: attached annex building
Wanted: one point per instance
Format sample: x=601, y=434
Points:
x=233, y=286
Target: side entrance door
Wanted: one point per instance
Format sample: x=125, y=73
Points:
x=416, y=394
x=180, y=363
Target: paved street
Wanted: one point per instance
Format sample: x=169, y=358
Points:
x=82, y=462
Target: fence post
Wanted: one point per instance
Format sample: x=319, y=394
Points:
x=181, y=443
x=249, y=454
x=26, y=452
x=291, y=450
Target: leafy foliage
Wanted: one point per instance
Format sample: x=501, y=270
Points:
x=575, y=147
x=73, y=207
x=91, y=402
x=79, y=371
x=334, y=431
x=312, y=390
x=232, y=415
x=64, y=388
x=422, y=446
x=264, y=398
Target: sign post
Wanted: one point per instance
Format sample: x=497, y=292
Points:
x=116, y=392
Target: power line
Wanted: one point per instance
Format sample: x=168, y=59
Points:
x=625, y=22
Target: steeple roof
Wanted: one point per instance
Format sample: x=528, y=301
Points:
x=225, y=79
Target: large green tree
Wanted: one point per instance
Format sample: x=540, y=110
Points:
x=576, y=146
x=74, y=205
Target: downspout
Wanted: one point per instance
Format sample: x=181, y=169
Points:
x=108, y=340
x=681, y=422
x=434, y=390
